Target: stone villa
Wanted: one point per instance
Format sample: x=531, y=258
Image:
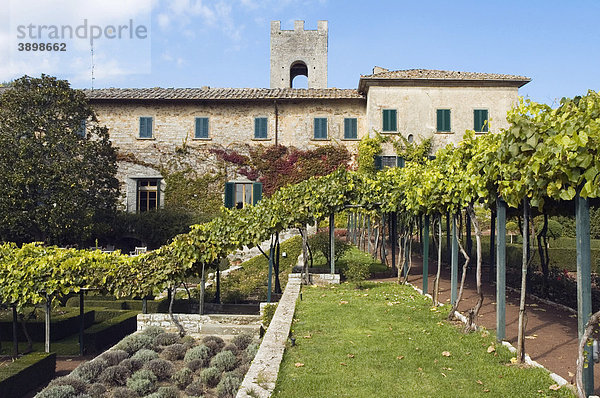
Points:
x=415, y=103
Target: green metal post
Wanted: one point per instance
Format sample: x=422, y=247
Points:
x=454, y=263
x=584, y=283
x=425, y=253
x=501, y=270
x=270, y=277
x=14, y=332
x=492, y=244
x=81, y=322
x=355, y=229
x=332, y=242
x=47, y=324
x=218, y=289
x=469, y=236
x=348, y=227
x=394, y=237
x=448, y=251
x=405, y=242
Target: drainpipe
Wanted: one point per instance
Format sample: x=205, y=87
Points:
x=276, y=120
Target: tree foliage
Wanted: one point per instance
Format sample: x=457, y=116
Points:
x=57, y=184
x=476, y=170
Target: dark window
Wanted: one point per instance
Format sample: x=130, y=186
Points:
x=145, y=127
x=388, y=161
x=480, y=117
x=201, y=127
x=389, y=120
x=241, y=194
x=350, y=129
x=260, y=127
x=82, y=128
x=148, y=195
x=443, y=120
x=320, y=128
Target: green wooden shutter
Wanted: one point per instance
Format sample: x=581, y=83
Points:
x=81, y=130
x=350, y=129
x=389, y=120
x=443, y=120
x=201, y=127
x=260, y=127
x=256, y=192
x=400, y=161
x=145, y=127
x=378, y=162
x=142, y=127
x=320, y=128
x=230, y=195
x=386, y=123
x=484, y=121
x=158, y=195
x=480, y=117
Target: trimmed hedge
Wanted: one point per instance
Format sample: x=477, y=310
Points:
x=109, y=332
x=60, y=326
x=26, y=373
x=134, y=305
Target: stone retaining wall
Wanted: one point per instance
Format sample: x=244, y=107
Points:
x=202, y=324
x=262, y=375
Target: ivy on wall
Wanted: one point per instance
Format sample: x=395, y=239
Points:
x=277, y=166
x=369, y=147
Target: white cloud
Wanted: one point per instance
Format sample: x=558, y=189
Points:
x=163, y=21
x=113, y=57
x=214, y=15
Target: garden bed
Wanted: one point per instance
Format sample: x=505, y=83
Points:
x=156, y=364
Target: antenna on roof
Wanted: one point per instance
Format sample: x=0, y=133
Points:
x=92, y=66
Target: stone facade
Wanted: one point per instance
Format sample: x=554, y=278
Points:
x=417, y=109
x=304, y=118
x=289, y=123
x=299, y=52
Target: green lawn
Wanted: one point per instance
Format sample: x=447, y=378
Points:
x=387, y=341
x=65, y=347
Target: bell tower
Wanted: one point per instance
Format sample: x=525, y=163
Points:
x=299, y=52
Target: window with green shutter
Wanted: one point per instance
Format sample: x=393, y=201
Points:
x=82, y=129
x=378, y=162
x=256, y=192
x=230, y=195
x=480, y=117
x=320, y=132
x=443, y=120
x=145, y=127
x=260, y=127
x=389, y=120
x=350, y=129
x=201, y=127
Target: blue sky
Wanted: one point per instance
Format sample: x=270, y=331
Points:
x=226, y=43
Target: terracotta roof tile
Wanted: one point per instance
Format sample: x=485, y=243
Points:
x=206, y=93
x=432, y=74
